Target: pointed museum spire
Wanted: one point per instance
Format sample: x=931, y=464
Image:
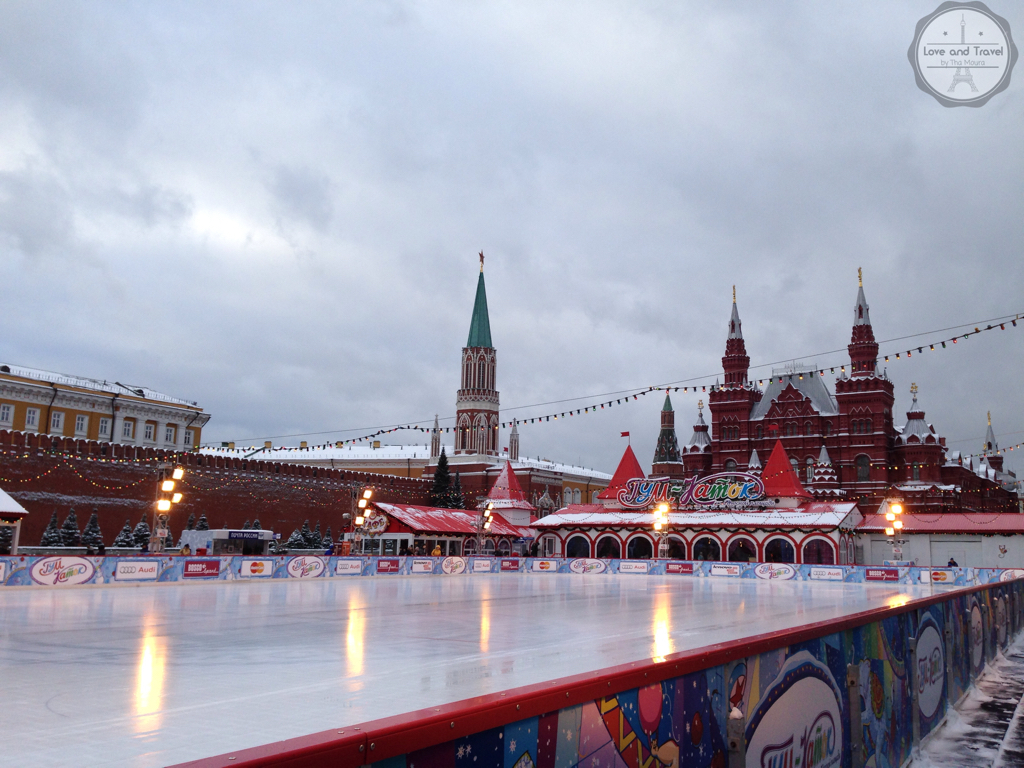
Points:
x=863, y=347
x=990, y=437
x=735, y=363
x=667, y=450
x=480, y=325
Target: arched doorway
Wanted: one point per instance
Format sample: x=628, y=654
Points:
x=504, y=548
x=742, y=550
x=707, y=548
x=609, y=548
x=639, y=548
x=468, y=547
x=819, y=552
x=779, y=550
x=577, y=546
x=676, y=548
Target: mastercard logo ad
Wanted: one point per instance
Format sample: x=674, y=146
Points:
x=256, y=568
x=544, y=565
x=940, y=576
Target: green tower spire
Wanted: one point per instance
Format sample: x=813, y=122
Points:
x=480, y=326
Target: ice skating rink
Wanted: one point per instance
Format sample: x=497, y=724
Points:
x=155, y=675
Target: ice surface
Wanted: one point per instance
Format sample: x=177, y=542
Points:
x=161, y=674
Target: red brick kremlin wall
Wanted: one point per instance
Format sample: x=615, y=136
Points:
x=45, y=474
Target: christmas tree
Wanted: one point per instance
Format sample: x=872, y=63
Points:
x=296, y=540
x=328, y=540
x=92, y=536
x=455, y=500
x=307, y=536
x=202, y=524
x=191, y=524
x=70, y=536
x=51, y=536
x=124, y=538
x=246, y=525
x=256, y=525
x=318, y=540
x=440, y=491
x=140, y=535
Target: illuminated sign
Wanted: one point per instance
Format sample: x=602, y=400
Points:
x=725, y=488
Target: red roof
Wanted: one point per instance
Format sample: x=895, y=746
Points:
x=780, y=479
x=628, y=468
x=950, y=522
x=506, y=493
x=438, y=520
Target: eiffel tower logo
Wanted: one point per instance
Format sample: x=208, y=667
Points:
x=962, y=74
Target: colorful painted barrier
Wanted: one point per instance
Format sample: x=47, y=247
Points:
x=861, y=691
x=72, y=570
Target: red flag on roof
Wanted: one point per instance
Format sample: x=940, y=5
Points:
x=624, y=434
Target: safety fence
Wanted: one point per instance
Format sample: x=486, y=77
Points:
x=71, y=570
x=859, y=691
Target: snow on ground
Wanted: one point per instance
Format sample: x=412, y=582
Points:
x=987, y=729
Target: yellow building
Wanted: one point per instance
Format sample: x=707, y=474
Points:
x=51, y=403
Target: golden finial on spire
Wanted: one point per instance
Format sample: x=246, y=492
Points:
x=700, y=406
x=990, y=418
x=913, y=389
x=481, y=261
x=734, y=294
x=860, y=277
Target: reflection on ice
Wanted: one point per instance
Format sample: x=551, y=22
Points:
x=149, y=679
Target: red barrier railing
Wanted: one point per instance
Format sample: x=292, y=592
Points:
x=353, y=746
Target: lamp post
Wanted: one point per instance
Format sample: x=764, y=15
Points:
x=483, y=524
x=167, y=477
x=661, y=522
x=361, y=496
x=894, y=529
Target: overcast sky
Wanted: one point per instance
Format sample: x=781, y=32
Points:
x=274, y=209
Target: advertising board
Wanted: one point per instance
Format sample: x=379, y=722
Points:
x=824, y=573
x=481, y=565
x=306, y=567
x=420, y=565
x=137, y=570
x=685, y=569
x=587, y=565
x=200, y=569
x=634, y=566
x=881, y=574
x=724, y=569
x=348, y=566
x=544, y=566
x=256, y=568
x=777, y=571
x=510, y=564
x=62, y=571
x=453, y=566
x=389, y=565
x=931, y=669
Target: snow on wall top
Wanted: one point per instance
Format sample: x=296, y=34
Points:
x=96, y=385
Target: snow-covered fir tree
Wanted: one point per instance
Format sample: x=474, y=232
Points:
x=202, y=524
x=307, y=536
x=328, y=539
x=256, y=525
x=296, y=540
x=318, y=539
x=70, y=536
x=51, y=536
x=124, y=538
x=141, y=533
x=440, y=491
x=246, y=525
x=455, y=497
x=191, y=524
x=92, y=536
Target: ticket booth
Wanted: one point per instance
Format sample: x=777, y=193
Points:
x=227, y=541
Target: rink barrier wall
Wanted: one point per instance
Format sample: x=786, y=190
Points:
x=74, y=570
x=860, y=690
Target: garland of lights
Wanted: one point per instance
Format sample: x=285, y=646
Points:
x=594, y=407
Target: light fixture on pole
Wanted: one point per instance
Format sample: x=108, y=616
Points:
x=660, y=523
x=167, y=477
x=483, y=524
x=894, y=529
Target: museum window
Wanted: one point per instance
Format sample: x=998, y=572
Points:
x=730, y=466
x=57, y=421
x=32, y=419
x=760, y=432
x=81, y=425
x=828, y=428
x=188, y=438
x=149, y=432
x=916, y=471
x=863, y=464
x=810, y=469
x=128, y=430
x=6, y=414
x=104, y=427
